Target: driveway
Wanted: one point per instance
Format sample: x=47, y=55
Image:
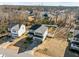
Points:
x=10, y=53
x=4, y=45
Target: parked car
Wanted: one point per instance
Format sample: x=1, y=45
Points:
x=74, y=45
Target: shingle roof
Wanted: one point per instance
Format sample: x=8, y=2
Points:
x=11, y=25
x=41, y=29
x=35, y=26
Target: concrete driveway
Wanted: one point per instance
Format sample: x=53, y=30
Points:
x=10, y=53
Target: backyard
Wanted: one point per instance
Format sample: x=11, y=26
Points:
x=57, y=46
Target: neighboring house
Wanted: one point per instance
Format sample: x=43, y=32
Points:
x=17, y=30
x=74, y=44
x=38, y=32
x=75, y=34
x=77, y=20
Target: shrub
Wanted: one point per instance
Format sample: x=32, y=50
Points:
x=70, y=34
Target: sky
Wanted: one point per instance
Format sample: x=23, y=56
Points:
x=42, y=3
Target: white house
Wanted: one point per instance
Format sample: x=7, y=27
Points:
x=39, y=33
x=18, y=30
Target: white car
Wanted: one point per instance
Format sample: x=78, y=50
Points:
x=74, y=46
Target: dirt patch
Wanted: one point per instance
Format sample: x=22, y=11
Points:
x=52, y=47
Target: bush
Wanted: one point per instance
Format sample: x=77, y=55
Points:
x=29, y=39
x=70, y=34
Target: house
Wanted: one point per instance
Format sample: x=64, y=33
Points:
x=75, y=41
x=38, y=32
x=41, y=33
x=32, y=29
x=75, y=34
x=77, y=20
x=17, y=30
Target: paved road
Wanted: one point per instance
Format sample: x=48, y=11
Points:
x=10, y=53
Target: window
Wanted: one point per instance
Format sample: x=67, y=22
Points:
x=14, y=30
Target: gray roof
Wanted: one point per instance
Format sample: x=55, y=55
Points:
x=16, y=27
x=41, y=29
x=35, y=26
x=11, y=25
